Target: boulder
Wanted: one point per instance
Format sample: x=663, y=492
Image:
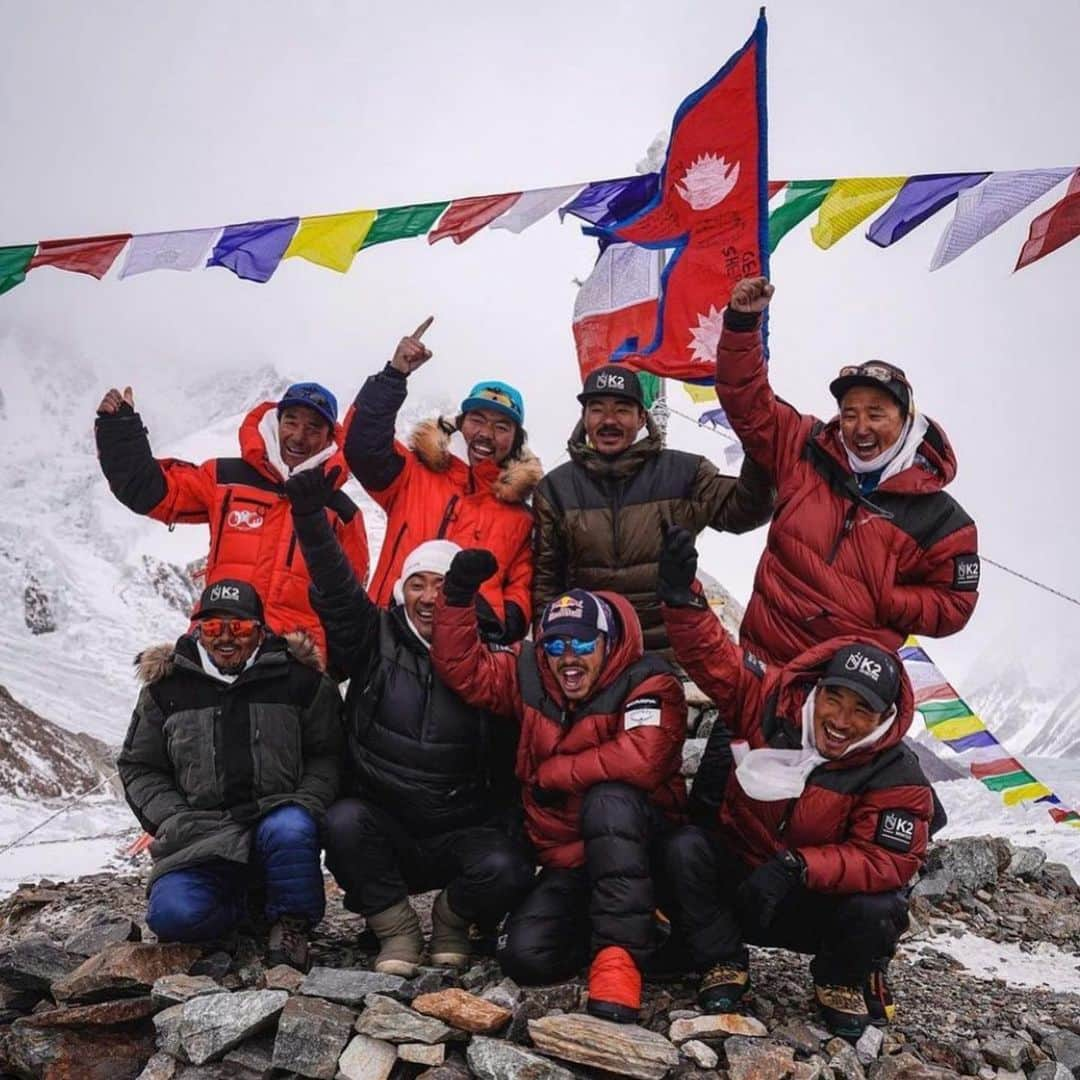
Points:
x=311, y=1035
x=366, y=1059
x=757, y=1059
x=716, y=1026
x=389, y=1020
x=176, y=989
x=1064, y=1047
x=906, y=1066
x=844, y=1061
x=463, y=1010
x=347, y=986
x=124, y=969
x=254, y=1056
x=282, y=977
x=625, y=1049
x=1051, y=1070
x=422, y=1053
x=1059, y=877
x=105, y=1014
x=34, y=963
x=493, y=1059
x=1005, y=1052
x=801, y=1036
x=506, y=994
x=160, y=1067
x=167, y=1026
x=869, y=1044
x=971, y=861
x=211, y=1026
x=701, y=1055
x=101, y=929
x=1026, y=862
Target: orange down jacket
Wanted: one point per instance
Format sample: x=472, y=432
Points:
x=242, y=500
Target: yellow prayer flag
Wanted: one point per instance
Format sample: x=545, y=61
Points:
x=1012, y=796
x=957, y=728
x=700, y=395
x=852, y=201
x=331, y=240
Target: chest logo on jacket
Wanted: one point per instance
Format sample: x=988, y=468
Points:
x=248, y=520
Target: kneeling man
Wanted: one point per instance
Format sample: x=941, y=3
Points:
x=813, y=821
x=231, y=759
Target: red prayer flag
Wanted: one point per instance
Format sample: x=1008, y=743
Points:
x=91, y=255
x=775, y=186
x=712, y=208
x=1054, y=227
x=1001, y=767
x=466, y=217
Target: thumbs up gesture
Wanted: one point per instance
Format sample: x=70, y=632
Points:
x=411, y=352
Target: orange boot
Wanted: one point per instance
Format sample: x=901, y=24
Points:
x=614, y=986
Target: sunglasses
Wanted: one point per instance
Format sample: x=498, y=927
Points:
x=237, y=627
x=877, y=370
x=558, y=646
x=315, y=397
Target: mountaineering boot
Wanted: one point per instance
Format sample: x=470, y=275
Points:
x=844, y=1009
x=879, y=1000
x=400, y=940
x=288, y=943
x=451, y=945
x=724, y=984
x=614, y=986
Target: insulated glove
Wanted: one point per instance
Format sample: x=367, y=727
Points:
x=678, y=568
x=469, y=570
x=309, y=491
x=761, y=893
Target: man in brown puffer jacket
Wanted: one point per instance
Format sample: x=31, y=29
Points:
x=600, y=518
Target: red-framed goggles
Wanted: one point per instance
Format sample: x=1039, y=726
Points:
x=215, y=627
x=557, y=646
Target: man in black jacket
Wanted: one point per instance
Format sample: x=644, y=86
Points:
x=430, y=792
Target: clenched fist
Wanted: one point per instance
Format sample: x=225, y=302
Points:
x=411, y=351
x=751, y=295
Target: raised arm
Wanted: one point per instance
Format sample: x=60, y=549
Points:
x=733, y=504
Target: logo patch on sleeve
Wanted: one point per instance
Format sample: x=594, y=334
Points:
x=966, y=573
x=642, y=712
x=895, y=830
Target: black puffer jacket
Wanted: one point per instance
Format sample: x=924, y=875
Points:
x=415, y=748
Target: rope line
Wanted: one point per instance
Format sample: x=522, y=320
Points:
x=52, y=817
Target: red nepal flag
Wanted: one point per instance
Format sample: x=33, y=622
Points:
x=712, y=207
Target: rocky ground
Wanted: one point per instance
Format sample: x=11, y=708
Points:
x=86, y=992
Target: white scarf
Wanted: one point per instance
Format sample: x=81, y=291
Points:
x=214, y=671
x=268, y=429
x=769, y=775
x=897, y=457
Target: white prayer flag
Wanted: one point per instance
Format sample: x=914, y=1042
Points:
x=534, y=205
x=183, y=250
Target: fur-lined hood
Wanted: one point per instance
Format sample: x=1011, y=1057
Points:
x=513, y=482
x=156, y=662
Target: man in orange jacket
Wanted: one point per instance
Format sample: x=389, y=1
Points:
x=242, y=499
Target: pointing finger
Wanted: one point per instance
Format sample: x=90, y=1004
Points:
x=419, y=332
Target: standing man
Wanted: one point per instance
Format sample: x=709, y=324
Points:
x=230, y=762
x=241, y=499
x=600, y=517
x=866, y=540
x=466, y=479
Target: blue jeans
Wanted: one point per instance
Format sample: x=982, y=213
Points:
x=201, y=902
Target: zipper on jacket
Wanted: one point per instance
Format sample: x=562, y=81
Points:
x=220, y=528
x=448, y=516
x=849, y=524
x=393, y=555
x=785, y=820
x=616, y=509
x=291, y=552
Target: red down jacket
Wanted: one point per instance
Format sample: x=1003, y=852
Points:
x=243, y=501
x=900, y=561
x=862, y=821
x=567, y=749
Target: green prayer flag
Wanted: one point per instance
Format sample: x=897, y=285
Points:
x=399, y=222
x=650, y=387
x=1008, y=780
x=801, y=199
x=935, y=712
x=13, y=264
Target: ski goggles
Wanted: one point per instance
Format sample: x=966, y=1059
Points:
x=215, y=627
x=557, y=646
x=878, y=370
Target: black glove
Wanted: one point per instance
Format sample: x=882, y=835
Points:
x=469, y=570
x=678, y=568
x=512, y=629
x=546, y=797
x=309, y=491
x=761, y=893
x=245, y=813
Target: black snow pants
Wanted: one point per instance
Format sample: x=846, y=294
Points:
x=847, y=934
x=373, y=857
x=571, y=914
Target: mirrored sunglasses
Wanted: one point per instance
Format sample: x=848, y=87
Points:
x=214, y=627
x=877, y=370
x=558, y=646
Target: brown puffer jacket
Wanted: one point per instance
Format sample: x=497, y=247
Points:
x=600, y=520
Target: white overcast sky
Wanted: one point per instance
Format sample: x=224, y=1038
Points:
x=121, y=116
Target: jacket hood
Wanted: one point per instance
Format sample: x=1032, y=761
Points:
x=253, y=448
x=799, y=676
x=157, y=661
x=934, y=466
x=511, y=482
x=630, y=648
x=624, y=464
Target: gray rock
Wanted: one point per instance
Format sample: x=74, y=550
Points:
x=1005, y=1052
x=971, y=860
x=565, y=996
x=933, y=885
x=701, y=1055
x=389, y=1020
x=164, y=1067
x=803, y=1037
x=101, y=929
x=1026, y=862
x=518, y=1031
x=311, y=1035
x=366, y=1059
x=625, y=1049
x=869, y=1045
x=255, y=1055
x=905, y=1066
x=751, y=1059
x=167, y=1025
x=422, y=1053
x=506, y=994
x=35, y=963
x=176, y=989
x=427, y=980
x=1051, y=1070
x=211, y=1026
x=493, y=1059
x=348, y=987
x=1059, y=877
x=122, y=969
x=481, y=973
x=1064, y=1046
x=216, y=965
x=844, y=1061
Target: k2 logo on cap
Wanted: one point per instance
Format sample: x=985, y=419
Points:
x=610, y=382
x=863, y=665
x=224, y=592
x=896, y=830
x=966, y=573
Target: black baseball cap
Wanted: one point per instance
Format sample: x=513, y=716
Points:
x=229, y=597
x=612, y=380
x=875, y=373
x=870, y=672
x=578, y=614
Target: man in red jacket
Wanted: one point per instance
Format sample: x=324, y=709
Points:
x=602, y=728
x=864, y=540
x=814, y=820
x=242, y=499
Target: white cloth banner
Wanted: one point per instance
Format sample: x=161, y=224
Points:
x=184, y=250
x=534, y=205
x=982, y=209
x=624, y=275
